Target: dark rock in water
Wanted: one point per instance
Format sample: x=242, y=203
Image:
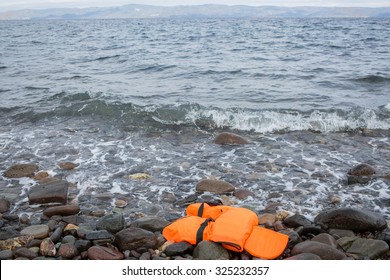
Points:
x=56, y=191
x=68, y=251
x=179, y=248
x=353, y=219
x=366, y=248
x=4, y=205
x=362, y=169
x=104, y=253
x=297, y=220
x=243, y=194
x=67, y=165
x=21, y=170
x=133, y=238
x=351, y=180
x=227, y=138
x=62, y=210
x=304, y=256
x=112, y=223
x=207, y=250
x=152, y=224
x=360, y=174
x=214, y=186
x=25, y=253
x=326, y=238
x=322, y=250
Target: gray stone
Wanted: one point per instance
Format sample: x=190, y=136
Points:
x=367, y=248
x=304, y=256
x=36, y=231
x=384, y=235
x=135, y=238
x=4, y=205
x=82, y=245
x=152, y=224
x=214, y=186
x=352, y=219
x=6, y=255
x=21, y=170
x=322, y=250
x=69, y=239
x=338, y=233
x=326, y=238
x=297, y=220
x=207, y=250
x=112, y=223
x=99, y=234
x=179, y=248
x=56, y=191
x=62, y=210
x=228, y=138
x=23, y=252
x=57, y=233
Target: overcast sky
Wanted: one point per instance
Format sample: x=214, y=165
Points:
x=22, y=4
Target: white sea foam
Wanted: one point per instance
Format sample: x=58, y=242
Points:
x=270, y=121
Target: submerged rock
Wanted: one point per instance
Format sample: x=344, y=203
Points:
x=62, y=210
x=214, y=186
x=56, y=191
x=21, y=170
x=228, y=138
x=362, y=169
x=4, y=205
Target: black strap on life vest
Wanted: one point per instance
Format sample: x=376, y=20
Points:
x=199, y=233
x=200, y=210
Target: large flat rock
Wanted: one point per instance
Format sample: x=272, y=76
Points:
x=56, y=191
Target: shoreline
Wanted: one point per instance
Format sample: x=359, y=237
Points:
x=67, y=232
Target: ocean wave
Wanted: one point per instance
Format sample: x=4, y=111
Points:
x=85, y=105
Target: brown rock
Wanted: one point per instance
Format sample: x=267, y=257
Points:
x=67, y=165
x=267, y=219
x=362, y=169
x=56, y=191
x=135, y=238
x=41, y=176
x=243, y=194
x=47, y=248
x=36, y=231
x=62, y=210
x=227, y=138
x=4, y=205
x=214, y=186
x=104, y=253
x=21, y=170
x=68, y=251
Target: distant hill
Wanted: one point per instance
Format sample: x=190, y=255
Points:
x=197, y=11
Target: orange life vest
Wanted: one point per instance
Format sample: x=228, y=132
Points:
x=235, y=228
